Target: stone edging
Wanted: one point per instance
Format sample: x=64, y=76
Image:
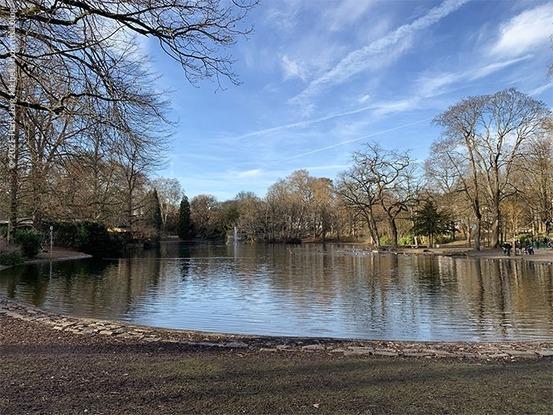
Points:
x=507, y=351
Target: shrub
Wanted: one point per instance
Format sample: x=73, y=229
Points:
x=385, y=240
x=30, y=241
x=90, y=237
x=525, y=239
x=11, y=258
x=93, y=238
x=407, y=240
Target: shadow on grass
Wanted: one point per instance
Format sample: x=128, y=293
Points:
x=178, y=378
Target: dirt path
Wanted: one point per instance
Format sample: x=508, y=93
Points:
x=541, y=255
x=46, y=371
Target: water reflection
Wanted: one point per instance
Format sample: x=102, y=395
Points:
x=311, y=290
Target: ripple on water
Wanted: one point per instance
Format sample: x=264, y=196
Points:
x=309, y=290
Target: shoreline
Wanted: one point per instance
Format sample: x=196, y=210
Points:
x=507, y=350
x=59, y=255
x=542, y=255
x=47, y=371
x=123, y=332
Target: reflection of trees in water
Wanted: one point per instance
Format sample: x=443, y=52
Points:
x=506, y=297
x=35, y=281
x=372, y=295
x=104, y=289
x=497, y=298
x=401, y=293
x=25, y=282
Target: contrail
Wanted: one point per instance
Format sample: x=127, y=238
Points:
x=308, y=122
x=360, y=59
x=353, y=140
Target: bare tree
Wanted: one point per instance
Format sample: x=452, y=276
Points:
x=381, y=178
x=202, y=213
x=359, y=191
x=80, y=61
x=170, y=195
x=534, y=177
x=457, y=148
x=483, y=138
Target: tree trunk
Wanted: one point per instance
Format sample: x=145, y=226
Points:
x=14, y=187
x=374, y=229
x=478, y=234
x=496, y=225
x=38, y=213
x=14, y=184
x=371, y=223
x=130, y=211
x=393, y=231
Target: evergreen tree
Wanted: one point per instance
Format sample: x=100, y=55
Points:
x=184, y=226
x=154, y=212
x=429, y=221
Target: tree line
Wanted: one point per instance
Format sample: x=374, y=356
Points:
x=488, y=178
x=83, y=130
x=82, y=124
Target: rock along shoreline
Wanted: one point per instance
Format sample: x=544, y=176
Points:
x=482, y=351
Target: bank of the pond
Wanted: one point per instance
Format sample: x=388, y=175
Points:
x=57, y=255
x=542, y=255
x=44, y=370
x=482, y=351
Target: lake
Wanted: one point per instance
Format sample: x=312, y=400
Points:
x=316, y=290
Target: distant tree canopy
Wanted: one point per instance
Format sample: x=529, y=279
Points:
x=184, y=228
x=90, y=124
x=488, y=178
x=153, y=218
x=430, y=221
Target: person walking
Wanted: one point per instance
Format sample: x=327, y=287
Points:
x=507, y=248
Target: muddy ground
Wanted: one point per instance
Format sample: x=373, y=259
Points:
x=44, y=371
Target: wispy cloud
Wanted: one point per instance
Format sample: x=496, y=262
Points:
x=427, y=87
x=433, y=84
x=306, y=123
x=283, y=13
x=346, y=12
x=377, y=51
x=249, y=173
x=525, y=31
x=353, y=140
x=490, y=68
x=326, y=167
x=541, y=89
x=292, y=69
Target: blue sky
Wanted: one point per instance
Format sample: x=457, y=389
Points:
x=321, y=77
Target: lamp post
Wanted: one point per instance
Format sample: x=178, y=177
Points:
x=51, y=240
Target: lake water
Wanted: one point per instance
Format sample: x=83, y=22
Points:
x=299, y=290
